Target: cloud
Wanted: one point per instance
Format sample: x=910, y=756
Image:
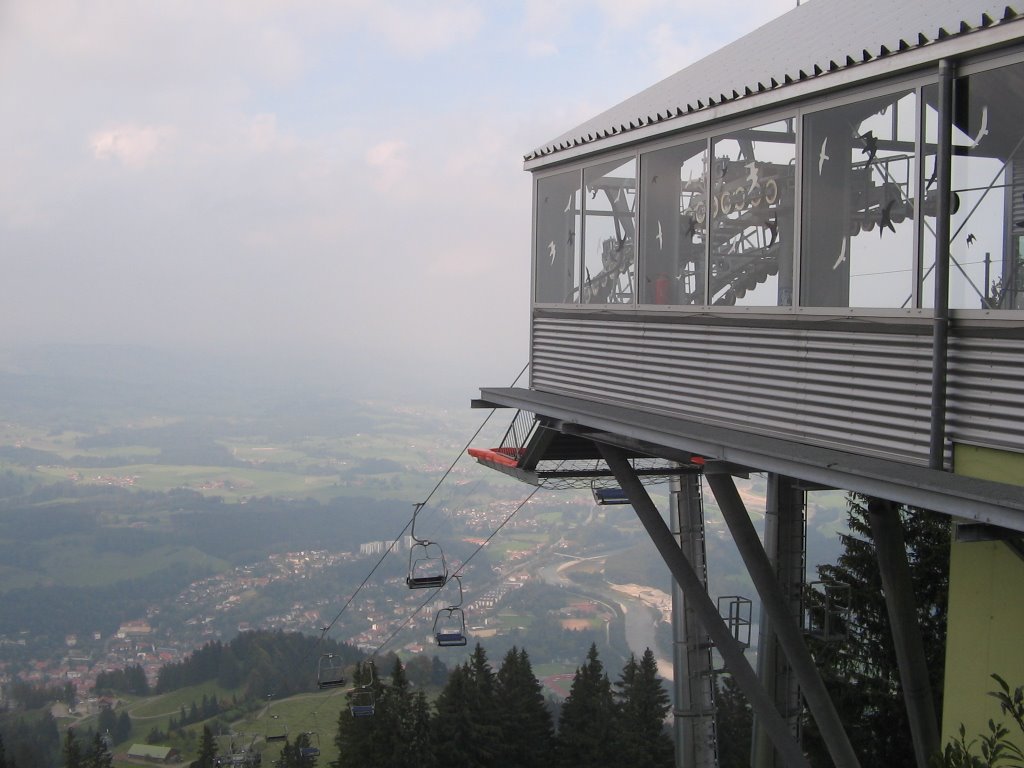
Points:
x=416, y=30
x=134, y=146
x=668, y=53
x=309, y=165
x=387, y=161
x=263, y=135
x=538, y=49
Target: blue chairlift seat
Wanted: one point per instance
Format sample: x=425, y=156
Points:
x=607, y=496
x=450, y=627
x=362, y=703
x=312, y=749
x=450, y=639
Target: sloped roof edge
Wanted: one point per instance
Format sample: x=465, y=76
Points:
x=813, y=40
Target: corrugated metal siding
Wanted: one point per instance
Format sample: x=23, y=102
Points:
x=868, y=393
x=986, y=392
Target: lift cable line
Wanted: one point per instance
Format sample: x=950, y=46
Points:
x=417, y=507
x=329, y=672
x=458, y=572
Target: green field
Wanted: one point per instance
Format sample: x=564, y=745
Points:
x=169, y=704
x=314, y=713
x=231, y=483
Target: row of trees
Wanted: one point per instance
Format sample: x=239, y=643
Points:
x=859, y=665
x=131, y=679
x=487, y=718
x=29, y=741
x=256, y=662
x=94, y=753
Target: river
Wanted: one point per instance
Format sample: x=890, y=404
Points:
x=641, y=619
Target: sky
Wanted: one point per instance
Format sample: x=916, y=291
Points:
x=331, y=185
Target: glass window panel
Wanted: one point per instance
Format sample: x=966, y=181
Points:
x=752, y=175
x=987, y=208
x=673, y=235
x=557, y=245
x=859, y=179
x=609, y=227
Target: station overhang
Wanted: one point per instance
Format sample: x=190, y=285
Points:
x=729, y=449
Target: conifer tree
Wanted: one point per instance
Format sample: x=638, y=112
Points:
x=207, y=750
x=861, y=671
x=452, y=725
x=419, y=733
x=363, y=741
x=123, y=730
x=734, y=720
x=296, y=755
x=644, y=704
x=588, y=724
x=72, y=750
x=466, y=728
x=482, y=698
x=527, y=734
x=406, y=716
x=302, y=754
x=97, y=756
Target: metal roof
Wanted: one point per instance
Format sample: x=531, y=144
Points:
x=812, y=40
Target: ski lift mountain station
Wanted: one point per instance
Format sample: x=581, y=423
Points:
x=802, y=256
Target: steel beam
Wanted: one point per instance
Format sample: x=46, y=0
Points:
x=786, y=627
x=891, y=549
x=694, y=712
x=679, y=439
x=940, y=313
x=707, y=612
x=785, y=545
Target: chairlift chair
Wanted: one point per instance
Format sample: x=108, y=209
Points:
x=313, y=750
x=609, y=496
x=427, y=566
x=362, y=703
x=277, y=731
x=330, y=671
x=450, y=623
x=276, y=728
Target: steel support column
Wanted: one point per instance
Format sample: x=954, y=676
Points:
x=785, y=544
x=694, y=713
x=706, y=611
x=787, y=630
x=891, y=549
x=940, y=328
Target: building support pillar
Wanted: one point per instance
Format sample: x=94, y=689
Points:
x=787, y=629
x=940, y=313
x=707, y=612
x=694, y=713
x=785, y=544
x=891, y=548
